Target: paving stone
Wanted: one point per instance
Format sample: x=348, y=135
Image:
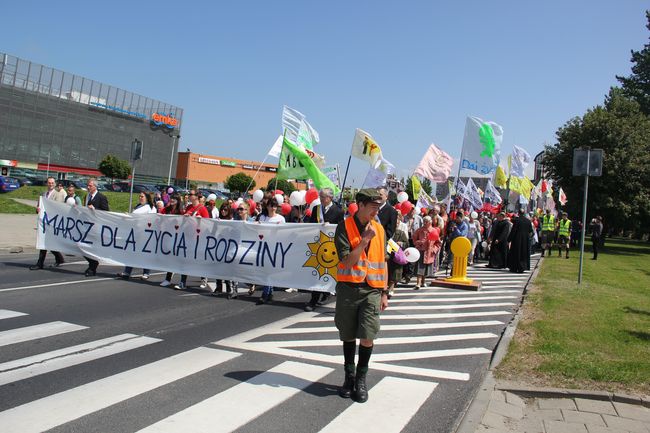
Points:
x=564, y=427
x=527, y=425
x=546, y=414
x=595, y=406
x=494, y=420
x=556, y=403
x=633, y=411
x=598, y=429
x=515, y=400
x=499, y=396
x=505, y=409
x=628, y=424
x=583, y=418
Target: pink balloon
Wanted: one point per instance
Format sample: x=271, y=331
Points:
x=311, y=195
x=285, y=209
x=278, y=191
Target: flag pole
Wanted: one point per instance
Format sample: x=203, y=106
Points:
x=255, y=175
x=345, y=177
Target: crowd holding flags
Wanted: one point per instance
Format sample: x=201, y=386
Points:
x=480, y=158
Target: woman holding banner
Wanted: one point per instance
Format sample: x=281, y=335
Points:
x=269, y=216
x=145, y=205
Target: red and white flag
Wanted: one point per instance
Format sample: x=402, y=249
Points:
x=435, y=165
x=562, y=197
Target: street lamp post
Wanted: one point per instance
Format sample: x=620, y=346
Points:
x=171, y=157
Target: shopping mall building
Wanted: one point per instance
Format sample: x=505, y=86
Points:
x=64, y=123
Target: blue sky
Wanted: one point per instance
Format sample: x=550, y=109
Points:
x=408, y=72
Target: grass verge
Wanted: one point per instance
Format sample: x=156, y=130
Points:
x=593, y=336
x=7, y=205
x=118, y=201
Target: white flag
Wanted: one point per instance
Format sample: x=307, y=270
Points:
x=461, y=189
x=473, y=195
x=365, y=147
x=562, y=197
x=298, y=130
x=492, y=194
x=481, y=148
x=520, y=160
x=375, y=178
x=276, y=149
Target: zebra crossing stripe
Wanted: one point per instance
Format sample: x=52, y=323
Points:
x=8, y=314
x=409, y=327
x=404, y=356
x=20, y=369
x=54, y=410
x=384, y=341
x=444, y=307
x=386, y=315
x=34, y=332
x=464, y=298
x=392, y=404
x=432, y=291
x=236, y=406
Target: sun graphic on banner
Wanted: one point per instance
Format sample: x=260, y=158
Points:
x=322, y=257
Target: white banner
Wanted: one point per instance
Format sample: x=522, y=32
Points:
x=301, y=256
x=481, y=148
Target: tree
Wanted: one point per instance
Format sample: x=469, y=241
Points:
x=622, y=194
x=114, y=167
x=637, y=85
x=282, y=184
x=239, y=182
x=426, y=187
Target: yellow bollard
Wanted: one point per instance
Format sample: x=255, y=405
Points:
x=460, y=248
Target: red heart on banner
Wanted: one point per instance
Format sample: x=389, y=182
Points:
x=149, y=224
x=260, y=236
x=198, y=230
x=176, y=226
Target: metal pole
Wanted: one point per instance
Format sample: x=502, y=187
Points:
x=345, y=178
x=584, y=219
x=171, y=160
x=48, y=164
x=131, y=192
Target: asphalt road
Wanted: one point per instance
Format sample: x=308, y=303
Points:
x=102, y=354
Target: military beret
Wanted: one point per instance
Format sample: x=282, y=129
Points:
x=368, y=195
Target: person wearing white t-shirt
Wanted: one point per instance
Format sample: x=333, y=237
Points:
x=269, y=216
x=145, y=205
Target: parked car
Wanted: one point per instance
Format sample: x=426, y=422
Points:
x=8, y=184
x=78, y=184
x=24, y=181
x=141, y=187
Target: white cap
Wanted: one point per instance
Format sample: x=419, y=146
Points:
x=212, y=197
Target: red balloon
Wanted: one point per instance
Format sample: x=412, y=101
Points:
x=311, y=195
x=353, y=208
x=234, y=206
x=308, y=212
x=406, y=207
x=285, y=209
x=278, y=191
x=398, y=206
x=433, y=235
x=251, y=206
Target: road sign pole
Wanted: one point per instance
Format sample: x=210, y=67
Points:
x=584, y=220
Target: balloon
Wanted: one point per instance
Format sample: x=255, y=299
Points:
x=308, y=212
x=234, y=206
x=302, y=197
x=311, y=195
x=314, y=203
x=402, y=197
x=279, y=198
x=251, y=207
x=412, y=255
x=406, y=207
x=239, y=200
x=285, y=209
x=433, y=236
x=278, y=191
x=484, y=244
x=398, y=206
x=353, y=208
x=258, y=195
x=474, y=215
x=294, y=198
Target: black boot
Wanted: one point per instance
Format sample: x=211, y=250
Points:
x=347, y=388
x=361, y=390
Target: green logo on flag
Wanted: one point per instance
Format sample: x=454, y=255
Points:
x=486, y=137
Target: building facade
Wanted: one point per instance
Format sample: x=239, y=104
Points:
x=69, y=123
x=214, y=170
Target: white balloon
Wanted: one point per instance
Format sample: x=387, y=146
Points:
x=279, y=199
x=294, y=198
x=258, y=196
x=314, y=203
x=402, y=197
x=484, y=244
x=239, y=200
x=474, y=215
x=302, y=193
x=412, y=254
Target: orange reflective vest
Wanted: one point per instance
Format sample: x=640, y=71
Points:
x=371, y=267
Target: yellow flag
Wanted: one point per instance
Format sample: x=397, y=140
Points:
x=417, y=187
x=515, y=184
x=500, y=179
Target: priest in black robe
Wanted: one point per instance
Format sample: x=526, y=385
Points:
x=519, y=240
x=499, y=243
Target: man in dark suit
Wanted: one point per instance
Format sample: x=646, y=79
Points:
x=97, y=201
x=387, y=214
x=326, y=212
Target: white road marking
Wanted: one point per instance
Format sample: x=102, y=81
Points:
x=65, y=283
x=236, y=406
x=34, y=332
x=69, y=405
x=8, y=314
x=403, y=356
x=442, y=307
x=391, y=405
x=383, y=341
x=432, y=291
x=20, y=369
x=425, y=300
x=409, y=327
x=388, y=316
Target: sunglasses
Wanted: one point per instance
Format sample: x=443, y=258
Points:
x=241, y=208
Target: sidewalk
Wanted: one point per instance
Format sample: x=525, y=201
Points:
x=19, y=233
x=505, y=407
